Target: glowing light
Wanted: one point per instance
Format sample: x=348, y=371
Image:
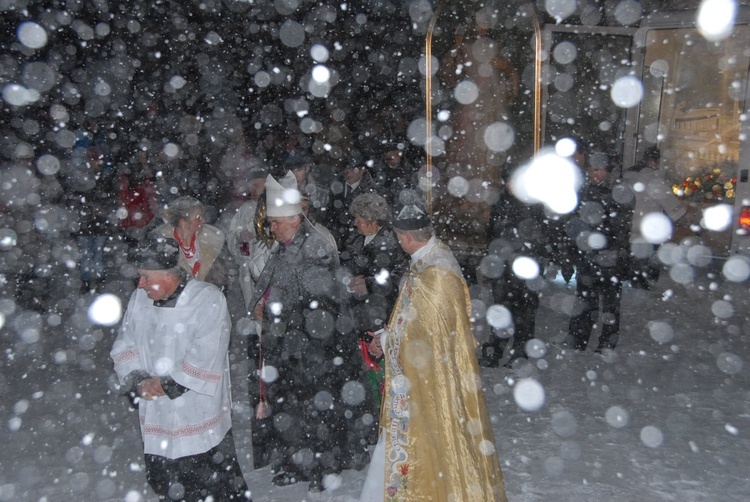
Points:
x=560, y=9
x=717, y=218
x=525, y=268
x=321, y=74
x=458, y=186
x=499, y=136
x=18, y=95
x=736, y=269
x=716, y=19
x=8, y=239
x=628, y=12
x=171, y=150
x=652, y=436
x=48, y=164
x=269, y=373
x=466, y=92
x=105, y=310
x=499, y=317
x=32, y=35
x=276, y=308
x=656, y=228
x=617, y=417
x=627, y=92
x=549, y=179
x=566, y=147
x=319, y=53
x=565, y=52
x=177, y=82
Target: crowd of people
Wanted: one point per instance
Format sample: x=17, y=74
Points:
x=327, y=271
x=336, y=285
x=315, y=260
x=321, y=267
x=348, y=284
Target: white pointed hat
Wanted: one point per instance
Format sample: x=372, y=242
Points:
x=282, y=197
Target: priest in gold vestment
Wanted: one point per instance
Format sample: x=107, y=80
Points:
x=436, y=440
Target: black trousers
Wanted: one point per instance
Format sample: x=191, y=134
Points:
x=523, y=304
x=590, y=291
x=193, y=478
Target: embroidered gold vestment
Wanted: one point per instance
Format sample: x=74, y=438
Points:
x=439, y=440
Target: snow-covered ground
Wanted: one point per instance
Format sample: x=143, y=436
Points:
x=664, y=418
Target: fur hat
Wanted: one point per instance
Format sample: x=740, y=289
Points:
x=282, y=197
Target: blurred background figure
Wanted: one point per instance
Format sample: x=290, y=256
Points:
x=353, y=180
x=516, y=230
x=201, y=245
x=599, y=230
x=250, y=250
x=309, y=186
x=94, y=194
x=137, y=197
x=319, y=227
x=653, y=195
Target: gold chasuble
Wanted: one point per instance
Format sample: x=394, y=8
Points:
x=438, y=437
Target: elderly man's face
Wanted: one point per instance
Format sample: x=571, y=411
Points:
x=158, y=284
x=284, y=227
x=353, y=174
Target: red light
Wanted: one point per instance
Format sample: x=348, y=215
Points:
x=745, y=218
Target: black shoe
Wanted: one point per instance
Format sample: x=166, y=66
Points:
x=287, y=478
x=316, y=485
x=640, y=282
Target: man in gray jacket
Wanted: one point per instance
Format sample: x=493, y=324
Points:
x=306, y=348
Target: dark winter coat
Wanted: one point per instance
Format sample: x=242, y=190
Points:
x=598, y=233
x=382, y=262
x=516, y=230
x=91, y=187
x=306, y=334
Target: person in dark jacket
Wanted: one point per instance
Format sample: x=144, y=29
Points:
x=305, y=348
x=92, y=191
x=374, y=263
x=354, y=180
x=516, y=230
x=374, y=260
x=599, y=233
